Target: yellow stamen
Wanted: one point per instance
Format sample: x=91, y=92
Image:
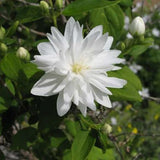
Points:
x=77, y=68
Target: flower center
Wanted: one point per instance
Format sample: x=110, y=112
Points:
x=77, y=68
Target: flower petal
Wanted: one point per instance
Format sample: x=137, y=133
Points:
x=45, y=48
x=46, y=85
x=83, y=109
x=101, y=98
x=62, y=106
x=108, y=43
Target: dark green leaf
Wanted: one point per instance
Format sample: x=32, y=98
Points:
x=80, y=6
x=23, y=137
x=28, y=14
x=12, y=29
x=10, y=86
x=112, y=19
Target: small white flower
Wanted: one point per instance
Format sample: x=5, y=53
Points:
x=75, y=67
x=137, y=27
x=113, y=121
x=135, y=67
x=144, y=93
x=155, y=32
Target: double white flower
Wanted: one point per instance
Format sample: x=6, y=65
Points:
x=75, y=67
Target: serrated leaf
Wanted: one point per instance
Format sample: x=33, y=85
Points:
x=112, y=19
x=82, y=145
x=130, y=90
x=80, y=6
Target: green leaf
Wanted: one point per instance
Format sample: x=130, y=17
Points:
x=10, y=66
x=80, y=6
x=67, y=155
x=97, y=154
x=2, y=108
x=28, y=14
x=112, y=19
x=130, y=90
x=70, y=127
x=82, y=145
x=10, y=86
x=126, y=3
x=12, y=29
x=138, y=49
x=23, y=138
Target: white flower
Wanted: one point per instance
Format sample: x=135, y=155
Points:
x=137, y=27
x=75, y=67
x=144, y=93
x=135, y=67
x=155, y=32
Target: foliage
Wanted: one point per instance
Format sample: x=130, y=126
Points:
x=30, y=123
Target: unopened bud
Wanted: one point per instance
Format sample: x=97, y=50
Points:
x=137, y=27
x=106, y=129
x=121, y=46
x=2, y=32
x=22, y=53
x=59, y=3
x=3, y=47
x=44, y=6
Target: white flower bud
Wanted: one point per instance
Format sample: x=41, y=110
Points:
x=107, y=129
x=137, y=27
x=22, y=53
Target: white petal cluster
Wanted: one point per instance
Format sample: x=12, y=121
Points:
x=75, y=67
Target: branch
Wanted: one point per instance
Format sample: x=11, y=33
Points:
x=33, y=31
x=24, y=27
x=157, y=99
x=28, y=3
x=118, y=150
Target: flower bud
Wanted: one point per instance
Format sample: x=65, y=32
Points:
x=59, y=3
x=2, y=32
x=44, y=6
x=3, y=47
x=106, y=129
x=137, y=27
x=22, y=53
x=121, y=46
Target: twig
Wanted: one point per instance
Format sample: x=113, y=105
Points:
x=33, y=31
x=157, y=99
x=139, y=134
x=24, y=27
x=137, y=156
x=28, y=3
x=118, y=149
x=67, y=1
